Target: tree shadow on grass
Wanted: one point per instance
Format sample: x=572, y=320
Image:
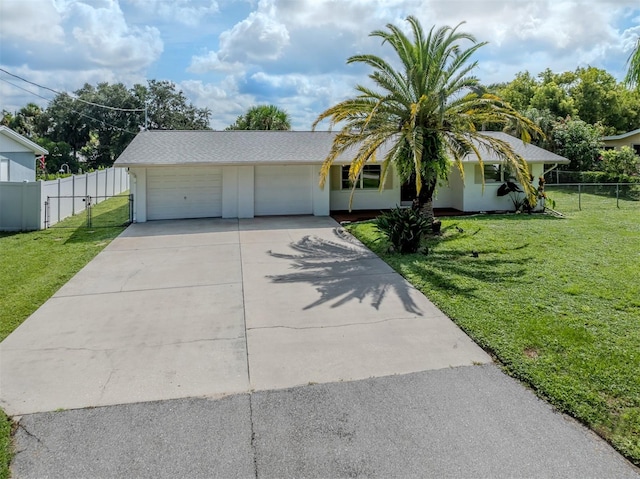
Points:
x=454, y=271
x=342, y=271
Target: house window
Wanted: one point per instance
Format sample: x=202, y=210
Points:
x=369, y=177
x=636, y=148
x=492, y=174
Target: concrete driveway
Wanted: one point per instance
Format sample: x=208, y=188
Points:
x=209, y=308
x=172, y=316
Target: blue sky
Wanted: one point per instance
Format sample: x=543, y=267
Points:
x=229, y=55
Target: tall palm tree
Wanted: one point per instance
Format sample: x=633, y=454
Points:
x=633, y=74
x=262, y=117
x=425, y=114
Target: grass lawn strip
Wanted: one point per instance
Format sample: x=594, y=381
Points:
x=34, y=265
x=557, y=301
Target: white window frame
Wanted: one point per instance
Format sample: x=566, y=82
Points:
x=346, y=184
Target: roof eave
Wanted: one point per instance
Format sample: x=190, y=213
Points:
x=17, y=137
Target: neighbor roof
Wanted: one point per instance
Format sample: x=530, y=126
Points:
x=27, y=143
x=241, y=147
x=621, y=136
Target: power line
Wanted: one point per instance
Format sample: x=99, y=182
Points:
x=72, y=96
x=104, y=123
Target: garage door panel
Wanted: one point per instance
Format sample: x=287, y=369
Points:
x=283, y=190
x=174, y=193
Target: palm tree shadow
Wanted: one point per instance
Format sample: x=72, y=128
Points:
x=342, y=272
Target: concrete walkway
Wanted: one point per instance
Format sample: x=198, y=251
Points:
x=204, y=340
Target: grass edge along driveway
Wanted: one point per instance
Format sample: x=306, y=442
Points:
x=34, y=265
x=556, y=301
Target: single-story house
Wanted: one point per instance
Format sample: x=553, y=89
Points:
x=242, y=174
x=630, y=139
x=18, y=156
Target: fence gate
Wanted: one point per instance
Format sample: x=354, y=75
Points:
x=88, y=211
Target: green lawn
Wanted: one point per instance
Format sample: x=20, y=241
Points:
x=34, y=265
x=557, y=301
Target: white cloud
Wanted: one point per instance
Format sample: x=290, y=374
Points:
x=104, y=38
x=187, y=12
x=211, y=62
x=259, y=37
x=35, y=21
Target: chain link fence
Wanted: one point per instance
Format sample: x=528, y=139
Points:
x=571, y=197
x=97, y=212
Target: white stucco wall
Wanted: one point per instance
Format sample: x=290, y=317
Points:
x=238, y=192
x=477, y=199
x=363, y=199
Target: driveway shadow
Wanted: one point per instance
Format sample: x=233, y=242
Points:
x=343, y=271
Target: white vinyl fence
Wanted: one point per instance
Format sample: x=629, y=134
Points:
x=36, y=205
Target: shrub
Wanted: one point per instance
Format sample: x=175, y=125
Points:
x=403, y=228
x=620, y=162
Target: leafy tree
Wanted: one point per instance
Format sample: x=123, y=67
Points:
x=262, y=117
x=116, y=125
x=100, y=121
x=633, y=73
x=425, y=112
x=28, y=121
x=621, y=162
x=578, y=141
x=168, y=109
x=67, y=122
x=519, y=91
x=553, y=97
x=60, y=153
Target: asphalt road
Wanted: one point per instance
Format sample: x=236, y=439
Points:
x=459, y=422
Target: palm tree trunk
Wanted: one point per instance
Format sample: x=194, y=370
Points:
x=427, y=210
x=425, y=199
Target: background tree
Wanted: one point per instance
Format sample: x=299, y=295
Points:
x=426, y=112
x=67, y=122
x=620, y=162
x=262, y=117
x=578, y=141
x=98, y=135
x=168, y=108
x=27, y=121
x=60, y=153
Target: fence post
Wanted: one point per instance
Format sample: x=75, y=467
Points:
x=580, y=196
x=73, y=195
x=58, y=200
x=618, y=195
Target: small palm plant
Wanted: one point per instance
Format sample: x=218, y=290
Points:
x=404, y=228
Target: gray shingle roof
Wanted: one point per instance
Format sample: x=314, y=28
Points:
x=531, y=153
x=621, y=136
x=172, y=147
x=183, y=147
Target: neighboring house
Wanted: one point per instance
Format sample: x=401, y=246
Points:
x=242, y=174
x=18, y=156
x=631, y=139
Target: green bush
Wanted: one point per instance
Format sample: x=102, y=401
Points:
x=620, y=162
x=403, y=228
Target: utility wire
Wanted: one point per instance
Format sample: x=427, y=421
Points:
x=104, y=123
x=72, y=96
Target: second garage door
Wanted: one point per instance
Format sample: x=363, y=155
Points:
x=174, y=193
x=283, y=190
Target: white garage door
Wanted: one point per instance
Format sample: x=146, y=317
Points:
x=182, y=192
x=283, y=190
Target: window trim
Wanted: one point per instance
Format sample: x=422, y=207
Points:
x=345, y=184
